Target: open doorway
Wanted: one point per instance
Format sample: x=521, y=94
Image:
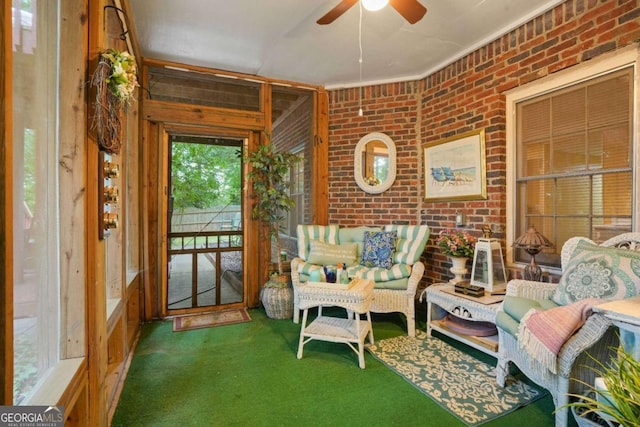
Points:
x=204, y=224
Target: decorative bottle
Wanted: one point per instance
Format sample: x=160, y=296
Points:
x=344, y=275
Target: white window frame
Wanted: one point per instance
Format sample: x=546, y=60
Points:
x=604, y=64
x=290, y=229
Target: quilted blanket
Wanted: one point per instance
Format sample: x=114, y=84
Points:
x=543, y=333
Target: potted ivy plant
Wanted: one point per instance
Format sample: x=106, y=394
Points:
x=619, y=401
x=269, y=179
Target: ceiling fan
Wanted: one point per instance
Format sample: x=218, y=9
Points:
x=411, y=10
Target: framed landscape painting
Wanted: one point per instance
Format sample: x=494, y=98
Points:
x=455, y=169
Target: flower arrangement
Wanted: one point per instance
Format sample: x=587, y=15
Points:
x=115, y=81
x=371, y=180
x=456, y=243
x=122, y=79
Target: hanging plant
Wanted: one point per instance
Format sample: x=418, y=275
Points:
x=115, y=80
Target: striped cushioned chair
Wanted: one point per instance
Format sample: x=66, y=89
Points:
x=394, y=289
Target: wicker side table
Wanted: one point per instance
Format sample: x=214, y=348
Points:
x=483, y=309
x=350, y=330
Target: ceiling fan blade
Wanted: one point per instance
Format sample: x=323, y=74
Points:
x=336, y=12
x=412, y=10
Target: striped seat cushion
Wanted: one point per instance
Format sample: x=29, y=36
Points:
x=380, y=274
x=377, y=274
x=410, y=242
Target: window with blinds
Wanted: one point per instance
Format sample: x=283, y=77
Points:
x=574, y=162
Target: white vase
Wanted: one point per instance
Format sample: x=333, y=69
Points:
x=458, y=268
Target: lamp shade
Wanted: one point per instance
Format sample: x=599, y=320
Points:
x=532, y=242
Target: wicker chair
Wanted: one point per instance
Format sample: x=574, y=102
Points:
x=411, y=239
x=593, y=341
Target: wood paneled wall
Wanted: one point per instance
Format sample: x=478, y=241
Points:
x=82, y=382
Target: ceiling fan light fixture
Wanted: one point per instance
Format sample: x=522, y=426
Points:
x=373, y=5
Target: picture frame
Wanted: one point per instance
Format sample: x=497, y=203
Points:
x=455, y=168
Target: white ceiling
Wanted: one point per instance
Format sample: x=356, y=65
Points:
x=280, y=39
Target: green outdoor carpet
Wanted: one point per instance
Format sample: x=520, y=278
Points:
x=458, y=382
x=247, y=374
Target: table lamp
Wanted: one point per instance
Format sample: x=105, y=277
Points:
x=532, y=242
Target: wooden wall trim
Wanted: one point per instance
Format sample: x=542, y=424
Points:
x=150, y=62
x=175, y=128
x=320, y=172
x=72, y=191
x=75, y=397
x=6, y=204
x=149, y=192
x=252, y=276
x=162, y=178
x=171, y=112
x=96, y=298
x=264, y=239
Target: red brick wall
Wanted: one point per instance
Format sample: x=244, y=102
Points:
x=392, y=109
x=466, y=95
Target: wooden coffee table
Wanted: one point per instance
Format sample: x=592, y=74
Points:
x=350, y=330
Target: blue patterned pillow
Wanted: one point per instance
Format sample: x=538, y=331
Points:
x=378, y=248
x=598, y=272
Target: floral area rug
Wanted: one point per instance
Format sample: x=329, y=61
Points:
x=463, y=385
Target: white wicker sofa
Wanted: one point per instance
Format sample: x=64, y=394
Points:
x=582, y=260
x=395, y=287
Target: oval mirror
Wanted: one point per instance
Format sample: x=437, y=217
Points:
x=375, y=163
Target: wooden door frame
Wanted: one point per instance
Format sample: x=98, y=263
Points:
x=176, y=129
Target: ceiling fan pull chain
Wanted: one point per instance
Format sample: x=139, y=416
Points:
x=360, y=112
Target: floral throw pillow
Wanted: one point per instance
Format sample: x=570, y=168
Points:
x=378, y=248
x=599, y=272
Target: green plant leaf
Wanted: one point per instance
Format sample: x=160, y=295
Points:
x=622, y=398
